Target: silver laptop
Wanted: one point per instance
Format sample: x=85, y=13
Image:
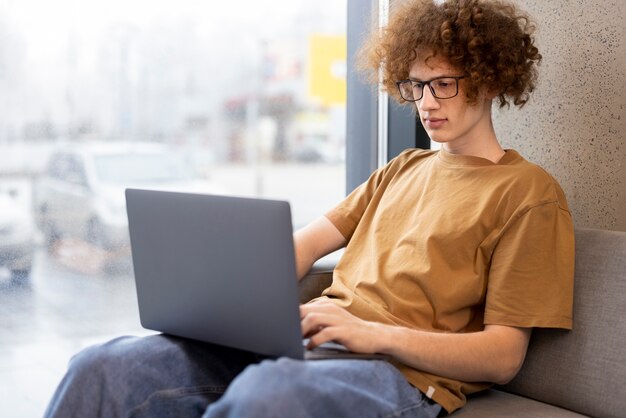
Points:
x=219, y=269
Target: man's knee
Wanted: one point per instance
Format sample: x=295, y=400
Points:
x=94, y=361
x=265, y=389
x=284, y=376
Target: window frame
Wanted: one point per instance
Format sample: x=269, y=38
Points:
x=364, y=140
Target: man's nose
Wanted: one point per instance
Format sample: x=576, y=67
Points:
x=428, y=101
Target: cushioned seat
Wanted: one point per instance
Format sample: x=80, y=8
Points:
x=496, y=403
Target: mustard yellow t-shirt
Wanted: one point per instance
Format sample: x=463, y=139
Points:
x=450, y=243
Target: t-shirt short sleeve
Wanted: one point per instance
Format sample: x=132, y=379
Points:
x=348, y=213
x=532, y=271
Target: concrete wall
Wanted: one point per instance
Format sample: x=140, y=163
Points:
x=575, y=124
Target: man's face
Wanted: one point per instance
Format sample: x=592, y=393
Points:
x=452, y=122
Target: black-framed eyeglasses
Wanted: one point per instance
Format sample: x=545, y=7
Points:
x=445, y=87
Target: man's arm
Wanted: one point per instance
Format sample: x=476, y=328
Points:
x=492, y=355
x=314, y=241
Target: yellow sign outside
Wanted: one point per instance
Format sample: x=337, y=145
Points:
x=327, y=69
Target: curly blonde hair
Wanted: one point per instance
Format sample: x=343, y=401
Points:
x=490, y=40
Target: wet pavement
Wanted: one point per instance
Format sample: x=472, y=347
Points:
x=69, y=302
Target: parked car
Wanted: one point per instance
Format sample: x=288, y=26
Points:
x=17, y=237
x=81, y=194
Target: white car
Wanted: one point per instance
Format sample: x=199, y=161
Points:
x=17, y=237
x=81, y=194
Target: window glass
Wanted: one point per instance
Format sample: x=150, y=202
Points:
x=75, y=172
x=137, y=168
x=243, y=97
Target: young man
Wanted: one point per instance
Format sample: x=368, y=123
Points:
x=451, y=258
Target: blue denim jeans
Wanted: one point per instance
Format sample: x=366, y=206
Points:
x=163, y=376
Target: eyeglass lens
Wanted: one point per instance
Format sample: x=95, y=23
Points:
x=442, y=88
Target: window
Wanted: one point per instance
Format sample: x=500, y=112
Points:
x=240, y=97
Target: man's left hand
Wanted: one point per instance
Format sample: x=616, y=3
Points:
x=323, y=321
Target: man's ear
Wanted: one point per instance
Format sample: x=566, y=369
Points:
x=486, y=92
x=491, y=93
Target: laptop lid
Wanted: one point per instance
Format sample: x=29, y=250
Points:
x=218, y=269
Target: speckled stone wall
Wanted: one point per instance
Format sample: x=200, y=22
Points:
x=575, y=124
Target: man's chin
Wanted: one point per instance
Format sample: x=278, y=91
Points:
x=438, y=139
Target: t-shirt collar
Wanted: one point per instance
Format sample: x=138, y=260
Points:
x=509, y=157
